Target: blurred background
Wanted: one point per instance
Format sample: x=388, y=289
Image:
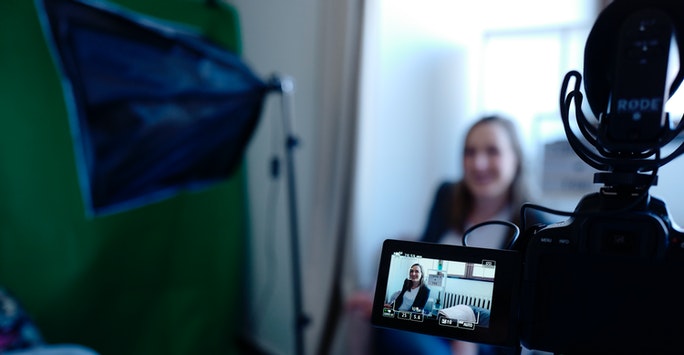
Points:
x=384, y=90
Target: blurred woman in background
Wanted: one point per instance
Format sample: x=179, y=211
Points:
x=493, y=187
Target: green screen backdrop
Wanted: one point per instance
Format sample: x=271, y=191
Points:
x=162, y=279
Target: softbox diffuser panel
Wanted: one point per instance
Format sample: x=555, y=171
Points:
x=154, y=107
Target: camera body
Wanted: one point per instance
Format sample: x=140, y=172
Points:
x=604, y=281
x=606, y=278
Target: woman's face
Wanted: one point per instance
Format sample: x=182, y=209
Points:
x=489, y=162
x=414, y=273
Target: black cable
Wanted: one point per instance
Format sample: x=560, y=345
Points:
x=591, y=158
x=588, y=130
x=516, y=231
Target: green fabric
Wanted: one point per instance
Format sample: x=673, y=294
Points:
x=161, y=279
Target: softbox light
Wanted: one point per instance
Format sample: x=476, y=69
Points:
x=154, y=107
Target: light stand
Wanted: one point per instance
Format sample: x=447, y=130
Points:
x=286, y=87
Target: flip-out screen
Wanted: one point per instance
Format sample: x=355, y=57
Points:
x=449, y=291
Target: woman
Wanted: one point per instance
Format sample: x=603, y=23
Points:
x=414, y=293
x=492, y=187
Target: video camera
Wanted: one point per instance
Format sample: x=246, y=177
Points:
x=606, y=278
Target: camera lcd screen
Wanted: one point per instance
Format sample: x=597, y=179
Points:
x=449, y=291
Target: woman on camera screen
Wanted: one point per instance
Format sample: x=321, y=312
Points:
x=414, y=294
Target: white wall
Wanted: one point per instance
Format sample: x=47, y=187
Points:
x=415, y=84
